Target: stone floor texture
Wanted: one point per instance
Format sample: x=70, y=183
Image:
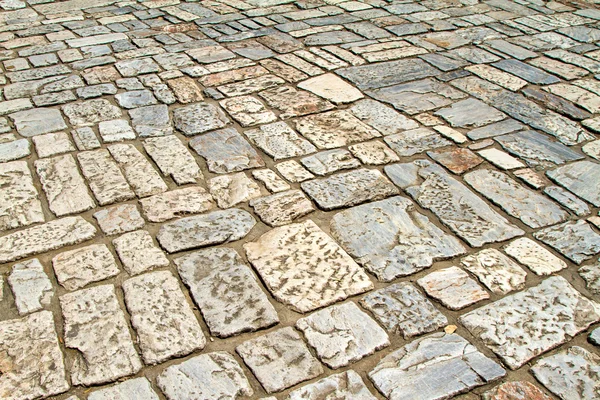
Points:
x=299, y=200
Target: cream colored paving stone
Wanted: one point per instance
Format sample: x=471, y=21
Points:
x=381, y=117
x=248, y=110
x=52, y=144
x=168, y=205
x=104, y=177
x=138, y=388
x=373, y=153
x=173, y=159
x=496, y=271
x=230, y=190
x=294, y=103
x=164, y=321
x=282, y=208
x=304, y=268
x=501, y=159
x=138, y=171
x=77, y=268
x=271, y=180
x=279, y=141
x=19, y=200
x=537, y=258
x=251, y=85
x=31, y=286
x=90, y=112
x=453, y=287
x=138, y=252
x=32, y=361
x=331, y=87
x=95, y=326
x=119, y=219
x=115, y=131
x=497, y=76
x=347, y=385
x=293, y=171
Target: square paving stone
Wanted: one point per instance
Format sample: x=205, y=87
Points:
x=415, y=141
x=33, y=365
x=535, y=257
x=135, y=98
x=458, y=160
x=305, y=268
x=248, y=110
x=161, y=316
x=526, y=324
x=138, y=253
x=347, y=385
x=496, y=271
x=334, y=129
x=206, y=377
x=342, y=334
x=330, y=161
x=226, y=151
x=38, y=121
x=119, y=219
x=332, y=88
x=228, y=294
x=453, y=287
x=470, y=113
x=373, y=153
x=199, y=118
x=279, y=359
x=437, y=366
x=151, y=120
x=293, y=103
x=576, y=177
x=402, y=309
x=390, y=238
x=279, y=141
x=576, y=240
x=75, y=269
x=572, y=374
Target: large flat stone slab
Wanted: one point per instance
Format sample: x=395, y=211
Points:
x=19, y=201
x=173, y=159
x=138, y=388
x=577, y=176
x=279, y=141
x=576, y=240
x=496, y=271
x=31, y=286
x=526, y=324
x=347, y=385
x=386, y=73
x=165, y=206
x=104, y=177
x=75, y=269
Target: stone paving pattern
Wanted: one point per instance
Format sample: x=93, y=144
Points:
x=299, y=199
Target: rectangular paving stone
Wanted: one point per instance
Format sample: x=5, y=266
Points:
x=14, y=150
x=38, y=121
x=162, y=318
x=304, y=268
x=576, y=240
x=534, y=256
x=415, y=141
x=452, y=287
x=168, y=205
x=576, y=177
x=104, y=177
x=294, y=103
x=386, y=73
x=526, y=324
x=150, y=121
x=30, y=286
x=227, y=293
x=568, y=200
x=64, y=187
x=437, y=366
x=348, y=385
x=525, y=71
x=91, y=111
x=279, y=141
x=77, y=268
x=129, y=389
x=390, y=238
x=251, y=85
x=499, y=128
x=173, y=159
x=459, y=208
x=138, y=171
x=41, y=238
x=470, y=113
x=52, y=144
x=199, y=118
x=33, y=365
x=138, y=253
x=19, y=200
x=282, y=208
x=532, y=208
x=95, y=326
x=496, y=271
x=381, y=117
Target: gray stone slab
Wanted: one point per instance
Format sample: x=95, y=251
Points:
x=496, y=271
x=381, y=117
x=528, y=72
x=327, y=162
x=138, y=388
x=347, y=385
x=151, y=120
x=279, y=141
x=538, y=259
x=499, y=128
x=91, y=111
x=470, y=113
x=135, y=98
x=199, y=118
x=568, y=200
x=14, y=149
x=576, y=177
x=576, y=240
x=526, y=324
x=390, y=238
x=453, y=287
x=38, y=121
x=415, y=141
x=173, y=159
x=386, y=73
x=19, y=201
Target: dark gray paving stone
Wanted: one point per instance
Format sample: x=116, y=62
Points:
x=386, y=73
x=577, y=178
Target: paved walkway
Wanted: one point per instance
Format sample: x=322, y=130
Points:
x=319, y=199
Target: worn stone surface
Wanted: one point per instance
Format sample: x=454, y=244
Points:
x=496, y=271
x=91, y=111
x=279, y=359
x=163, y=320
x=453, y=288
x=575, y=240
x=31, y=286
x=279, y=141
x=591, y=275
x=415, y=141
x=39, y=121
x=119, y=219
x=95, y=326
x=227, y=293
x=104, y=176
x=391, y=239
x=576, y=177
x=381, y=117
x=293, y=103
x=348, y=385
x=470, y=113
x=248, y=110
x=199, y=118
x=52, y=144
x=529, y=323
x=138, y=253
x=515, y=391
x=19, y=200
x=282, y=208
x=75, y=269
x=534, y=256
x=173, y=159
x=230, y=190
x=332, y=88
x=168, y=205
x=299, y=264
x=130, y=389
x=434, y=367
x=141, y=176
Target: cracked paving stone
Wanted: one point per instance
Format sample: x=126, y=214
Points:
x=576, y=240
x=228, y=294
x=138, y=253
x=41, y=238
x=279, y=141
x=576, y=177
x=138, y=388
x=415, y=141
x=579, y=96
x=226, y=151
x=373, y=153
x=349, y=188
x=19, y=201
x=346, y=385
x=516, y=390
x=327, y=162
x=31, y=286
x=282, y=208
x=104, y=177
x=386, y=73
x=437, y=366
x=402, y=309
x=331, y=87
x=115, y=131
x=163, y=320
x=279, y=359
x=208, y=376
x=151, y=120
x=457, y=207
x=556, y=103
x=119, y=219
x=453, y=287
x=199, y=118
x=141, y=176
x=173, y=159
x=77, y=268
x=230, y=190
x=457, y=160
x=496, y=271
x=381, y=117
x=470, y=113
x=532, y=208
x=248, y=110
x=503, y=127
x=524, y=325
x=293, y=171
x=534, y=256
x=294, y=103
x=95, y=327
x=90, y=112
x=38, y=121
x=572, y=374
x=168, y=205
x=33, y=365
x=304, y=268
x=342, y=334
x=52, y=144
x=205, y=230
x=390, y=238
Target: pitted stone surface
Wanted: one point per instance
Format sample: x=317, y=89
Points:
x=141, y=176
x=162, y=318
x=279, y=141
x=19, y=200
x=529, y=323
x=75, y=269
x=381, y=117
x=575, y=240
x=199, y=118
x=231, y=190
x=415, y=141
x=576, y=177
x=453, y=287
x=496, y=271
x=168, y=205
x=538, y=259
x=282, y=208
x=516, y=390
x=173, y=159
x=91, y=111
x=305, y=268
x=138, y=388
x=391, y=239
x=104, y=176
x=227, y=293
x=347, y=385
x=138, y=253
x=30, y=286
x=591, y=275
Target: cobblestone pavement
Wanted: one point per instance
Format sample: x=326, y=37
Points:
x=312, y=199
